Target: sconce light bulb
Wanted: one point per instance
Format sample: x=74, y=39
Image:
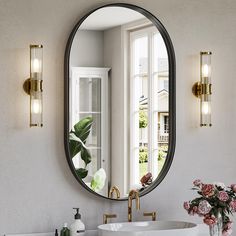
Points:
x=206, y=108
x=205, y=70
x=36, y=65
x=36, y=106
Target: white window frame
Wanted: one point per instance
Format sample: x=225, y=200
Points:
x=152, y=111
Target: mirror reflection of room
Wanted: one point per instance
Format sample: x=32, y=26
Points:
x=122, y=85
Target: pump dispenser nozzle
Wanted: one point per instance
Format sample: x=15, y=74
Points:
x=77, y=215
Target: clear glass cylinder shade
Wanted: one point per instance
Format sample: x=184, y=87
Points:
x=206, y=67
x=36, y=92
x=36, y=109
x=36, y=61
x=205, y=107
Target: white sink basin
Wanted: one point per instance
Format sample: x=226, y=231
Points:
x=149, y=228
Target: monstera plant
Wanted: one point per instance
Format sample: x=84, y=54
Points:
x=77, y=143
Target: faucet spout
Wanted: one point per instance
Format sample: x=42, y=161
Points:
x=116, y=190
x=133, y=194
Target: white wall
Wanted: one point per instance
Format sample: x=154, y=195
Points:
x=37, y=187
x=88, y=43
x=113, y=60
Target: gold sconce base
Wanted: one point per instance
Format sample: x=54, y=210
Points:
x=199, y=89
x=196, y=89
x=36, y=85
x=26, y=86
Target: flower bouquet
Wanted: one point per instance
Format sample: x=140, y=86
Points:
x=215, y=204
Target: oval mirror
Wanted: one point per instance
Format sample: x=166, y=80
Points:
x=119, y=101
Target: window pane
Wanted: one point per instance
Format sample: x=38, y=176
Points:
x=141, y=55
x=143, y=161
x=90, y=94
x=95, y=163
x=160, y=55
x=162, y=78
x=94, y=139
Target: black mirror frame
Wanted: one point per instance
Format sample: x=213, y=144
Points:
x=172, y=96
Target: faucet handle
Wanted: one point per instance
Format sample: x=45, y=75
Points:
x=152, y=214
x=108, y=216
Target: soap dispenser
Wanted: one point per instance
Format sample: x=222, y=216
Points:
x=77, y=228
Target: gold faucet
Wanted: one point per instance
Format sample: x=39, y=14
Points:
x=116, y=190
x=132, y=194
x=108, y=216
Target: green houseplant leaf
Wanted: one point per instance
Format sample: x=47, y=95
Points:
x=83, y=127
x=75, y=144
x=82, y=173
x=85, y=156
x=77, y=141
x=98, y=181
x=75, y=148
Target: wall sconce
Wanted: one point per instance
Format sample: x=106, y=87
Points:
x=33, y=86
x=202, y=89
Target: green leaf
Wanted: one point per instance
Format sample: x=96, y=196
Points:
x=83, y=127
x=85, y=156
x=75, y=147
x=77, y=140
x=98, y=180
x=82, y=173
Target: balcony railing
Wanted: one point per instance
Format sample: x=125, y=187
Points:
x=163, y=138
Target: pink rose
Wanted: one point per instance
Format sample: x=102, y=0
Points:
x=197, y=182
x=229, y=225
x=204, y=207
x=210, y=220
x=233, y=186
x=195, y=209
x=227, y=230
x=232, y=205
x=223, y=196
x=192, y=211
x=208, y=190
x=186, y=206
x=146, y=179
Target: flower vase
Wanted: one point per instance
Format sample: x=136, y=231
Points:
x=216, y=229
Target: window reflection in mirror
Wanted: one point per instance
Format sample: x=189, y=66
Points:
x=148, y=103
x=119, y=85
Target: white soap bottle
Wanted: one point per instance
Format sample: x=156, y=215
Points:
x=78, y=227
